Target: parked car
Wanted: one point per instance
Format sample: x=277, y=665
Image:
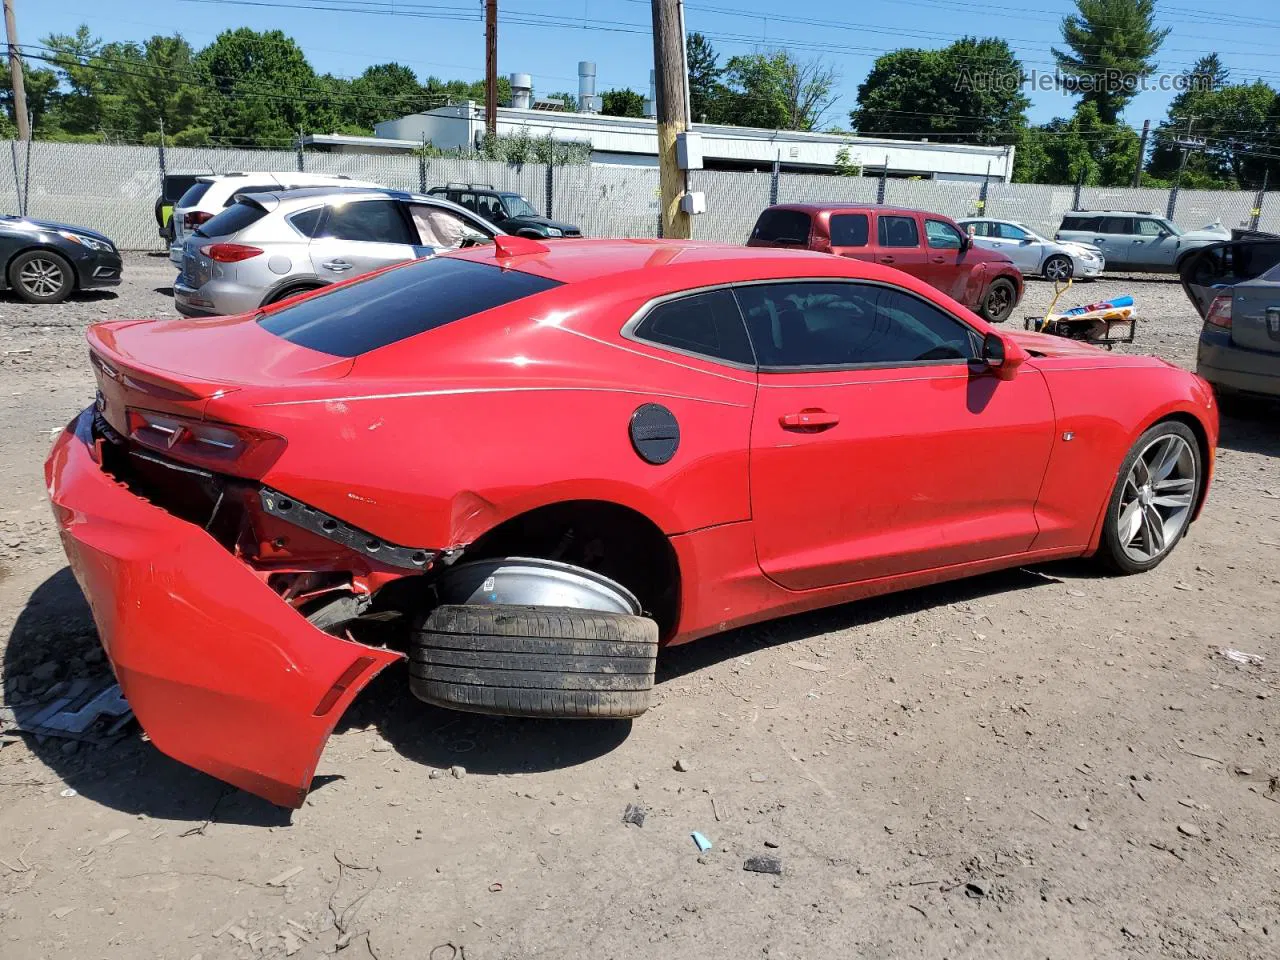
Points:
x=505, y=209
x=925, y=245
x=1033, y=254
x=46, y=262
x=172, y=187
x=1235, y=287
x=209, y=195
x=267, y=247
x=528, y=465
x=1132, y=240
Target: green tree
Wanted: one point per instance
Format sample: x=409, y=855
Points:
x=845, y=167
x=706, y=87
x=41, y=85
x=1111, y=46
x=774, y=90
x=570, y=101
x=972, y=89
x=385, y=91
x=77, y=106
x=1081, y=149
x=622, y=103
x=160, y=88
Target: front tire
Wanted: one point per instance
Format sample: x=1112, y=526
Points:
x=998, y=301
x=1058, y=268
x=1156, y=491
x=527, y=661
x=41, y=276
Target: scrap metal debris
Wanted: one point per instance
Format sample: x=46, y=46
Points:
x=83, y=710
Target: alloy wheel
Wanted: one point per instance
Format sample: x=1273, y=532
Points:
x=1057, y=269
x=1155, y=503
x=41, y=277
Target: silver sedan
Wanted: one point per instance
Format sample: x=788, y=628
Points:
x=1034, y=254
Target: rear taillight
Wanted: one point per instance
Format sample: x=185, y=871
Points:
x=1219, y=314
x=220, y=447
x=229, y=252
x=193, y=218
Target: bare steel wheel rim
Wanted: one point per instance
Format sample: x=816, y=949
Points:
x=41, y=277
x=1058, y=268
x=998, y=301
x=1155, y=502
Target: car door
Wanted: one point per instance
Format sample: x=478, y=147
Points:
x=851, y=235
x=359, y=235
x=874, y=450
x=945, y=268
x=1019, y=246
x=1114, y=238
x=898, y=243
x=1153, y=245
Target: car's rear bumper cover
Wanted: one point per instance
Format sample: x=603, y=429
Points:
x=1228, y=365
x=221, y=673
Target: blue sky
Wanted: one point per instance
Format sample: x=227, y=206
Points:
x=446, y=37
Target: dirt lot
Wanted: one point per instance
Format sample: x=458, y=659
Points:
x=1039, y=763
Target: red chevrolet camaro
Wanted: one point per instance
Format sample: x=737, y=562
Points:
x=524, y=468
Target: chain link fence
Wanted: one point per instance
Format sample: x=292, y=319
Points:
x=114, y=188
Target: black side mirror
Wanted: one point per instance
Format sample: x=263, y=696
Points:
x=966, y=242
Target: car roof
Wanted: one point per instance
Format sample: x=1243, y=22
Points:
x=289, y=199
x=652, y=262
x=850, y=205
x=1119, y=213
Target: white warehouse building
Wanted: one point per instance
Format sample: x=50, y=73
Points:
x=634, y=141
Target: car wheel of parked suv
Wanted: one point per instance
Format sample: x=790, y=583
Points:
x=999, y=301
x=41, y=276
x=526, y=661
x=1156, y=493
x=1058, y=268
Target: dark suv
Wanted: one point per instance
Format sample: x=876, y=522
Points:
x=925, y=245
x=504, y=209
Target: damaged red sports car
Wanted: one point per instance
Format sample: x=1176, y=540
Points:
x=525, y=468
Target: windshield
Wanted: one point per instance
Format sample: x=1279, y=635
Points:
x=517, y=206
x=1171, y=228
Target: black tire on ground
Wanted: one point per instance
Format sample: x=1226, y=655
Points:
x=999, y=300
x=41, y=276
x=1058, y=267
x=520, y=661
x=1110, y=553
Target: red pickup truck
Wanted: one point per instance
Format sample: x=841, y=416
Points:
x=925, y=245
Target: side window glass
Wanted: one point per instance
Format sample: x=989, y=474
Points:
x=1116, y=225
x=441, y=228
x=817, y=324
x=706, y=323
x=899, y=232
x=368, y=221
x=252, y=188
x=978, y=229
x=942, y=236
x=849, y=230
x=1149, y=228
x=1009, y=232
x=467, y=200
x=306, y=221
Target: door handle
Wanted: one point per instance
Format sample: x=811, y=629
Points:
x=337, y=266
x=809, y=420
x=1139, y=241
x=886, y=259
x=939, y=259
x=1099, y=239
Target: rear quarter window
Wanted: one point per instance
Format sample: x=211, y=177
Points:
x=194, y=193
x=398, y=304
x=782, y=226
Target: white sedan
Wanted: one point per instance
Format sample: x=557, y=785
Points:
x=1032, y=253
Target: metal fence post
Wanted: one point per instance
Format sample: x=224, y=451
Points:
x=422, y=167
x=1258, y=200
x=551, y=166
x=301, y=162
x=26, y=182
x=1075, y=197
x=884, y=180
x=1173, y=203
x=774, y=178
x=982, y=198
x=17, y=180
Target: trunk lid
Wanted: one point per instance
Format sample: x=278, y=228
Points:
x=1255, y=313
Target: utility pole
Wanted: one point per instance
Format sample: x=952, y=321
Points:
x=490, y=67
x=20, y=115
x=1142, y=152
x=669, y=75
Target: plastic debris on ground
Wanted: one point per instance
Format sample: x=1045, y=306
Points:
x=1237, y=656
x=84, y=710
x=702, y=842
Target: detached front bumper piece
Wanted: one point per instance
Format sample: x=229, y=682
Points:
x=221, y=672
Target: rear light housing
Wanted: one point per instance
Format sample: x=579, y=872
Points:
x=193, y=218
x=229, y=252
x=220, y=447
x=1219, y=314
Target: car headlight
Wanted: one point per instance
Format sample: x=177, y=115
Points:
x=93, y=243
x=554, y=232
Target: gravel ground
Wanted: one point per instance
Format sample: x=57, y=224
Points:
x=1036, y=763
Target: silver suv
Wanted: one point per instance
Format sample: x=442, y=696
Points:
x=1131, y=240
x=269, y=246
